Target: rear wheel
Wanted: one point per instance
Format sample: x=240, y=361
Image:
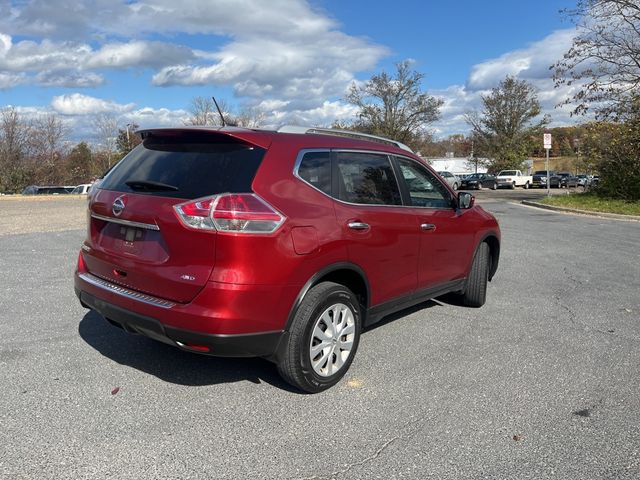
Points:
x=323, y=338
x=455, y=186
x=526, y=186
x=475, y=293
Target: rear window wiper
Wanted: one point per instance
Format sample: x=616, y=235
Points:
x=150, y=186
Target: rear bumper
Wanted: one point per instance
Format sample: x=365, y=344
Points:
x=263, y=344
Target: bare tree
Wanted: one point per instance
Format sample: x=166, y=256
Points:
x=48, y=134
x=395, y=107
x=107, y=129
x=604, y=59
x=14, y=136
x=204, y=112
x=249, y=118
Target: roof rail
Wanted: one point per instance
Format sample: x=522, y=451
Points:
x=343, y=133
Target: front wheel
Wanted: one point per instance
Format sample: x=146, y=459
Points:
x=323, y=338
x=494, y=187
x=475, y=293
x=513, y=186
x=455, y=186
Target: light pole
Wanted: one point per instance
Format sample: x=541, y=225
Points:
x=128, y=138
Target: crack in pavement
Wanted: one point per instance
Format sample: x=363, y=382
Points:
x=573, y=317
x=348, y=467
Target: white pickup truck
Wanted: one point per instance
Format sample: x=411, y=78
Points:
x=513, y=179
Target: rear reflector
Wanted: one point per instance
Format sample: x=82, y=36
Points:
x=230, y=212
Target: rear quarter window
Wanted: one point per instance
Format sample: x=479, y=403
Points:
x=315, y=169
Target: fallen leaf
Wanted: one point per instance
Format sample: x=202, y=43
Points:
x=355, y=383
x=115, y=390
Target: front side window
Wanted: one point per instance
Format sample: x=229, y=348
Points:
x=424, y=189
x=366, y=178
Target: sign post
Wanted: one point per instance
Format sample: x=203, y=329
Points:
x=547, y=146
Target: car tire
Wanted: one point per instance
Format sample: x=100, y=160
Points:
x=526, y=186
x=305, y=364
x=512, y=186
x=495, y=186
x=455, y=186
x=479, y=186
x=475, y=293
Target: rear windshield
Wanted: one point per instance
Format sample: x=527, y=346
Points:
x=194, y=165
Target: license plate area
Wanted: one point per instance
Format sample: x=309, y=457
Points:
x=130, y=239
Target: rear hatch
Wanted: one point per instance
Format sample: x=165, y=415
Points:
x=135, y=238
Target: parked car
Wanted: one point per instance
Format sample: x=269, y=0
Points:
x=451, y=179
x=567, y=180
x=539, y=179
x=47, y=190
x=82, y=189
x=277, y=244
x=583, y=180
x=478, y=181
x=513, y=179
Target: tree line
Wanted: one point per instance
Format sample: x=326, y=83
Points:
x=603, y=66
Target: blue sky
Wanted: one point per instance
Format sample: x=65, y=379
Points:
x=143, y=61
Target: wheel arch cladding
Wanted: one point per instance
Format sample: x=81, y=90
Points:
x=347, y=274
x=494, y=252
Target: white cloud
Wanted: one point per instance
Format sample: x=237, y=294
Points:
x=78, y=104
x=10, y=80
x=531, y=64
x=70, y=64
x=139, y=54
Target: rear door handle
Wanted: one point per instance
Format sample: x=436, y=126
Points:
x=428, y=226
x=358, y=226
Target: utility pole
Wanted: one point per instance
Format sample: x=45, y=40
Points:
x=547, y=146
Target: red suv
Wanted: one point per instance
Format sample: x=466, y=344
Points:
x=278, y=244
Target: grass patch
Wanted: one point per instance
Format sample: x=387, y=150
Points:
x=591, y=202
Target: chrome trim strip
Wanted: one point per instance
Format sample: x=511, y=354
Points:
x=125, y=292
x=129, y=223
x=302, y=152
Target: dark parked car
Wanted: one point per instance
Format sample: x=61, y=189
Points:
x=277, y=244
x=478, y=181
x=567, y=180
x=47, y=190
x=539, y=179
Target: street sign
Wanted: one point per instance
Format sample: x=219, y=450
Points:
x=547, y=140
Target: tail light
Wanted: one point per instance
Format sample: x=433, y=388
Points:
x=230, y=212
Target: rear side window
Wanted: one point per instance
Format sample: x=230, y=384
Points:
x=366, y=178
x=315, y=169
x=194, y=165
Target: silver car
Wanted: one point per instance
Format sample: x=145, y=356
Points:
x=451, y=179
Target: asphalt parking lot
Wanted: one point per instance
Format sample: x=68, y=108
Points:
x=542, y=382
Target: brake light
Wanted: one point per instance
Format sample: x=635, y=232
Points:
x=230, y=212
x=196, y=214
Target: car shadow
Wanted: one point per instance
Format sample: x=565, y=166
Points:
x=171, y=364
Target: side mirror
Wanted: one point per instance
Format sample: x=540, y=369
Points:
x=466, y=200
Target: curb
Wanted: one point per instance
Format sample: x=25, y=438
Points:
x=615, y=216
